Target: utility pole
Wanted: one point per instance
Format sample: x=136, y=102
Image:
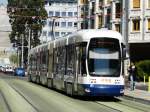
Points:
x=22, y=57
x=53, y=23
x=29, y=44
x=78, y=15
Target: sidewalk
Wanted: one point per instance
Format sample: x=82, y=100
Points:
x=137, y=95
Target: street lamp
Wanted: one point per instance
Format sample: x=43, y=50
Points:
x=53, y=37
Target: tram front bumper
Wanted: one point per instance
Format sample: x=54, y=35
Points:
x=103, y=90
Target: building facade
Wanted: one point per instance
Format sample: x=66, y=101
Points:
x=101, y=13
x=129, y=17
x=62, y=19
x=138, y=33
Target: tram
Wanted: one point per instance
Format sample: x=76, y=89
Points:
x=86, y=63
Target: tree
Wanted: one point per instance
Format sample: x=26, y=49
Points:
x=25, y=16
x=14, y=59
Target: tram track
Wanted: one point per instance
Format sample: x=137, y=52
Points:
x=24, y=97
x=109, y=107
x=4, y=103
x=22, y=94
x=124, y=105
x=14, y=102
x=118, y=104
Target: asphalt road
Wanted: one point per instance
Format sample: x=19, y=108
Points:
x=19, y=95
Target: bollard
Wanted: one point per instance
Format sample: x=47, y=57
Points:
x=149, y=84
x=144, y=79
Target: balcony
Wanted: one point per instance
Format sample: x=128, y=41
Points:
x=135, y=37
x=147, y=36
x=135, y=12
x=147, y=13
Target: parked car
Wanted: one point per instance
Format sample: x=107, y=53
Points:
x=19, y=71
x=9, y=69
x=1, y=68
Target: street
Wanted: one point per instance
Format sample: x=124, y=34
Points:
x=19, y=95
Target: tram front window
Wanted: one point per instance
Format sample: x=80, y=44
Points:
x=104, y=57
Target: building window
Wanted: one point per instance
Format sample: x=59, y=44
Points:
x=109, y=1
x=63, y=33
x=136, y=3
x=57, y=13
x=149, y=24
x=63, y=24
x=148, y=3
x=49, y=34
x=51, y=13
x=56, y=23
x=136, y=25
x=118, y=10
x=100, y=19
x=56, y=34
x=75, y=13
x=69, y=24
x=93, y=8
x=63, y=14
x=50, y=23
x=117, y=27
x=68, y=33
x=83, y=1
x=44, y=33
x=46, y=2
x=75, y=24
x=70, y=14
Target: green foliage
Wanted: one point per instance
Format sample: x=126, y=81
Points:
x=14, y=59
x=143, y=69
x=26, y=16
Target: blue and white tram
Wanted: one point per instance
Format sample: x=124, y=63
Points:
x=87, y=62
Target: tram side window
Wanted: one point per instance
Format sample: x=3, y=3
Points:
x=30, y=64
x=71, y=60
x=38, y=61
x=44, y=63
x=55, y=61
x=61, y=60
x=34, y=63
x=47, y=60
x=83, y=59
x=50, y=60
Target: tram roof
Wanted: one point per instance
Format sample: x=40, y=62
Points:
x=80, y=36
x=86, y=35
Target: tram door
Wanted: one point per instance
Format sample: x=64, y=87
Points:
x=77, y=67
x=80, y=69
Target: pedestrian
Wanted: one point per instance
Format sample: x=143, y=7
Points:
x=132, y=73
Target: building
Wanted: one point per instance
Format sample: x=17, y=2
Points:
x=62, y=19
x=101, y=13
x=5, y=29
x=6, y=49
x=129, y=17
x=138, y=32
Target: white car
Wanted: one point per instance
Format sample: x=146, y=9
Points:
x=9, y=69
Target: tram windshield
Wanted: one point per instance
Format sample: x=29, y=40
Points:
x=104, y=57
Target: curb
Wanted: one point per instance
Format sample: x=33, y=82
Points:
x=147, y=102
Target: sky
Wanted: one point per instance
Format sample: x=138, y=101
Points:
x=3, y=1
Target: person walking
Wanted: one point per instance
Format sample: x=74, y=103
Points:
x=132, y=70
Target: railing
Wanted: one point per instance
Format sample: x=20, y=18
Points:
x=134, y=13
x=135, y=36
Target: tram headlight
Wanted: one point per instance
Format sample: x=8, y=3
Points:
x=121, y=90
x=87, y=90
